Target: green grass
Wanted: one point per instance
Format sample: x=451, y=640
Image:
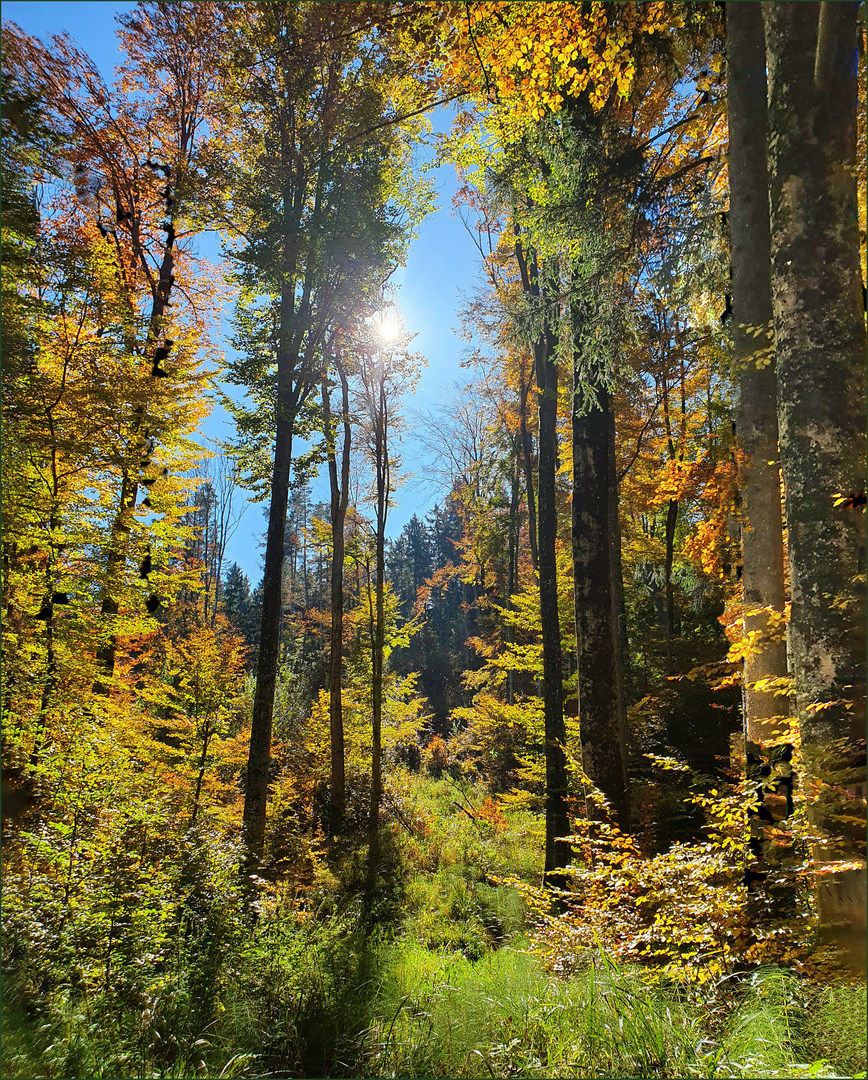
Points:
x=444, y=987
x=326, y=999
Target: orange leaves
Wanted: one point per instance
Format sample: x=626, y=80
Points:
x=490, y=812
x=683, y=480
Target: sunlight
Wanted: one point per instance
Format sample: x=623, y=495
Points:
x=389, y=324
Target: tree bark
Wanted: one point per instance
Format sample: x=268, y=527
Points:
x=762, y=534
x=339, y=487
x=377, y=400
x=527, y=462
x=602, y=715
x=619, y=614
x=820, y=341
x=764, y=596
x=259, y=757
x=557, y=852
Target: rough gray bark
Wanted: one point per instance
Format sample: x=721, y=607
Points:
x=820, y=341
x=762, y=534
x=602, y=714
x=764, y=596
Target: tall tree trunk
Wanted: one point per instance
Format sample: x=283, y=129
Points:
x=820, y=341
x=602, y=717
x=619, y=614
x=762, y=536
x=259, y=757
x=671, y=516
x=527, y=461
x=377, y=692
x=379, y=412
x=295, y=381
x=557, y=851
x=339, y=486
x=764, y=594
x=512, y=571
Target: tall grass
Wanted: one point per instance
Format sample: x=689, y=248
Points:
x=434, y=979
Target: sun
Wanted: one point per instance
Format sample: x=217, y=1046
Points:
x=389, y=324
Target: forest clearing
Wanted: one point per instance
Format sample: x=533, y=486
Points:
x=564, y=775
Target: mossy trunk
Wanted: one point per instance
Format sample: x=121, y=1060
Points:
x=820, y=342
x=753, y=358
x=768, y=767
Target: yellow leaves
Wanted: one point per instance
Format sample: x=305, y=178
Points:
x=780, y=687
x=534, y=52
x=668, y=764
x=824, y=706
x=852, y=500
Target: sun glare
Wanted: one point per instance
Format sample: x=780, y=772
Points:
x=388, y=325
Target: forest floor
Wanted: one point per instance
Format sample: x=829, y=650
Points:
x=433, y=974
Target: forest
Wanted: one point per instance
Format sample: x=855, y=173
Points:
x=566, y=777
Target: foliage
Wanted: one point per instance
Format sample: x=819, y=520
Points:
x=136, y=941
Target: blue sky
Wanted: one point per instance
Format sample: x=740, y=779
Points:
x=443, y=264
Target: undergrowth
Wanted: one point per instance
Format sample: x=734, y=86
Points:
x=435, y=972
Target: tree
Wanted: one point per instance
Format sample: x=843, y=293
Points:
x=136, y=159
x=386, y=371
x=820, y=356
x=752, y=335
x=312, y=190
x=561, y=86
x=70, y=421
x=764, y=592
x=539, y=295
x=339, y=488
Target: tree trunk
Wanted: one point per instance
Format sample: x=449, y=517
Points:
x=557, y=852
x=820, y=340
x=339, y=487
x=602, y=716
x=512, y=571
x=763, y=586
x=527, y=461
x=295, y=380
x=259, y=758
x=619, y=614
x=379, y=413
x=762, y=535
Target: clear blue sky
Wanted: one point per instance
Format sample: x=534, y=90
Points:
x=443, y=263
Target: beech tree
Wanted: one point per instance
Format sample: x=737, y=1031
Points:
x=820, y=359
x=339, y=490
x=317, y=201
x=386, y=371
x=753, y=356
x=134, y=156
x=539, y=295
